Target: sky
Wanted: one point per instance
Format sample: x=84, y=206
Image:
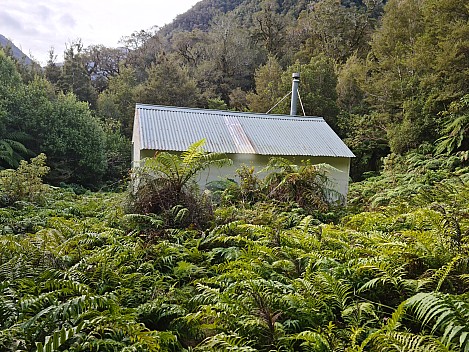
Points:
x=35, y=26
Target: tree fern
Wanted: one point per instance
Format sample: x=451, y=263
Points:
x=456, y=126
x=12, y=152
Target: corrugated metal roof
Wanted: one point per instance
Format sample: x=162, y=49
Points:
x=175, y=129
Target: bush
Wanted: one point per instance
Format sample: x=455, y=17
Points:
x=304, y=185
x=24, y=183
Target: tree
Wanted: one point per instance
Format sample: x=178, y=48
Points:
x=117, y=102
x=12, y=148
x=231, y=59
x=351, y=79
x=417, y=67
x=143, y=48
x=74, y=77
x=63, y=128
x=52, y=72
x=167, y=183
x=28, y=68
x=238, y=99
x=269, y=89
x=102, y=63
x=336, y=30
x=191, y=46
x=168, y=84
x=270, y=27
x=9, y=76
x=74, y=142
x=37, y=120
x=317, y=88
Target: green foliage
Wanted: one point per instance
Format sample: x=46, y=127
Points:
x=12, y=148
x=307, y=185
x=52, y=343
x=11, y=152
x=336, y=30
x=432, y=178
x=74, y=141
x=35, y=120
x=166, y=185
x=266, y=273
x=117, y=102
x=73, y=77
x=409, y=80
x=269, y=89
x=317, y=88
x=78, y=274
x=445, y=314
x=118, y=153
x=167, y=84
x=270, y=27
x=24, y=183
x=9, y=76
x=456, y=129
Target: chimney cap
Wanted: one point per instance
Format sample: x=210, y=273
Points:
x=295, y=75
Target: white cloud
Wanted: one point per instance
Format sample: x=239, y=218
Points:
x=35, y=26
x=67, y=20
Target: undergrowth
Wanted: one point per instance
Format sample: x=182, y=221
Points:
x=77, y=273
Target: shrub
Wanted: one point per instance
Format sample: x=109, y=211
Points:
x=24, y=183
x=305, y=185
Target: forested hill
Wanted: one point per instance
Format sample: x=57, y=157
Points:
x=200, y=16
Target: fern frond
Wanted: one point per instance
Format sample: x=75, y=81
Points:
x=225, y=342
x=53, y=342
x=446, y=313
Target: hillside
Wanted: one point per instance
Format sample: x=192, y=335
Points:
x=16, y=52
x=201, y=15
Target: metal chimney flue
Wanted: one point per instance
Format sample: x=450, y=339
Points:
x=294, y=93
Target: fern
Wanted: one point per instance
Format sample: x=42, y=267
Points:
x=313, y=341
x=53, y=342
x=225, y=342
x=445, y=314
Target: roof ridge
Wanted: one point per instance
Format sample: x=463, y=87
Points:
x=247, y=114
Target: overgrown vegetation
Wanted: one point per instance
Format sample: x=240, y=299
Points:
x=78, y=274
x=261, y=264
x=25, y=183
